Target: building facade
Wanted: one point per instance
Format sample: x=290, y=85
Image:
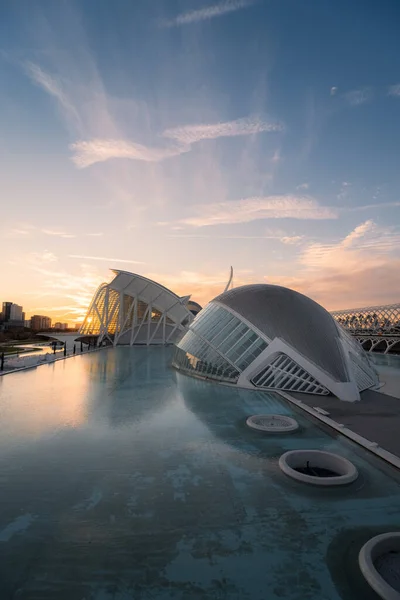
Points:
x=12, y=315
x=40, y=323
x=12, y=312
x=134, y=310
x=270, y=337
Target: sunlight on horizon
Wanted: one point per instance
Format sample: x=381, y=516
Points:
x=179, y=166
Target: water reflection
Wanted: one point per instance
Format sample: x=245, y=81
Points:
x=387, y=360
x=128, y=385
x=111, y=388
x=224, y=410
x=139, y=480
x=37, y=402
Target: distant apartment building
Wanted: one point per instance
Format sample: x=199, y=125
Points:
x=27, y=323
x=40, y=323
x=12, y=312
x=61, y=326
x=5, y=313
x=12, y=315
x=16, y=313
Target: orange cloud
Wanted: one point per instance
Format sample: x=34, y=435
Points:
x=360, y=270
x=349, y=288
x=202, y=287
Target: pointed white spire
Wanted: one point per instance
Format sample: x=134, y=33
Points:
x=230, y=281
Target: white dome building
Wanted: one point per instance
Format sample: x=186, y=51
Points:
x=271, y=337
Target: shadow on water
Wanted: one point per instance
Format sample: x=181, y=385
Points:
x=128, y=385
x=342, y=561
x=224, y=410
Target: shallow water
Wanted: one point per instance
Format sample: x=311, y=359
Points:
x=122, y=478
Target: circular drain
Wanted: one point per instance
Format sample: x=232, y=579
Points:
x=272, y=423
x=318, y=468
x=379, y=561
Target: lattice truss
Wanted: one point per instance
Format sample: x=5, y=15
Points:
x=138, y=311
x=373, y=320
x=283, y=373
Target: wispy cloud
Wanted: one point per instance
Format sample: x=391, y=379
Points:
x=104, y=258
x=343, y=193
x=40, y=258
x=334, y=90
x=367, y=241
x=276, y=157
x=358, y=232
x=358, y=97
x=251, y=209
x=189, y=134
x=55, y=232
x=369, y=206
x=394, y=90
x=302, y=186
x=208, y=12
x=98, y=150
x=14, y=233
x=53, y=86
x=29, y=230
x=281, y=237
x=292, y=240
x=19, y=231
x=339, y=274
x=88, y=152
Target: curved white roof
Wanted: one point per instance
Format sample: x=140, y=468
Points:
x=133, y=309
x=272, y=337
x=280, y=312
x=151, y=292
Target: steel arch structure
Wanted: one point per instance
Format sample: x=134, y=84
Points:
x=372, y=320
x=385, y=344
x=133, y=309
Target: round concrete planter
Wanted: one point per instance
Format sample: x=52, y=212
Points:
x=316, y=467
x=379, y=561
x=273, y=423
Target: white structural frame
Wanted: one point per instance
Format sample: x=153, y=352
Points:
x=296, y=372
x=347, y=391
x=133, y=309
x=377, y=343
x=383, y=319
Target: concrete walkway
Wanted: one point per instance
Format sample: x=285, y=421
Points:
x=376, y=417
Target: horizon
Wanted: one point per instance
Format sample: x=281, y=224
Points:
x=176, y=138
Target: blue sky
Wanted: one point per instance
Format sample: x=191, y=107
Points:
x=177, y=137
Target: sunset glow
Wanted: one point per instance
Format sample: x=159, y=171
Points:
x=175, y=141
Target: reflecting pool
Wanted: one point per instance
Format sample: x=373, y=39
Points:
x=122, y=478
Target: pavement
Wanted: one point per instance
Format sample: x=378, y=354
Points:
x=376, y=417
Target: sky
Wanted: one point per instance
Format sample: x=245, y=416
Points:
x=175, y=138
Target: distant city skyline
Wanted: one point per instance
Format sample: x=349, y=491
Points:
x=176, y=138
x=12, y=316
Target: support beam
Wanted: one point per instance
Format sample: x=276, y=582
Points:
x=141, y=325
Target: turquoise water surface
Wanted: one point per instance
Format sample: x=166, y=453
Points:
x=122, y=478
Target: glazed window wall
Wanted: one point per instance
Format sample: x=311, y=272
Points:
x=218, y=345
x=194, y=354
